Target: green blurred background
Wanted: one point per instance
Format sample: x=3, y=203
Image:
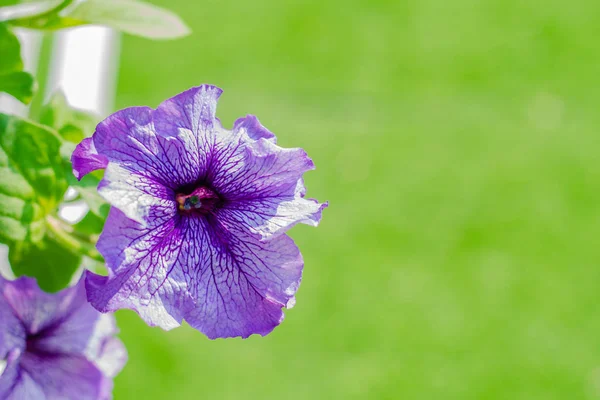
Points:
x=457, y=143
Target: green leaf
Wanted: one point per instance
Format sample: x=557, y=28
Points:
x=47, y=260
x=72, y=124
x=13, y=80
x=10, y=48
x=11, y=11
x=32, y=178
x=91, y=224
x=87, y=188
x=130, y=16
x=21, y=85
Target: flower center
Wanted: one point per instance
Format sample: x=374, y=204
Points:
x=201, y=201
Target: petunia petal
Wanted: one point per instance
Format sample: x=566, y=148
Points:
x=112, y=357
x=221, y=280
x=137, y=257
x=240, y=284
x=127, y=138
x=140, y=198
x=190, y=118
x=263, y=185
x=88, y=332
x=271, y=216
x=17, y=384
x=68, y=377
x=36, y=309
x=86, y=159
x=12, y=332
x=70, y=351
x=251, y=126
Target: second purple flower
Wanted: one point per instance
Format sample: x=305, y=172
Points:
x=197, y=227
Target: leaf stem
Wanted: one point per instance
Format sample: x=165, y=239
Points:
x=77, y=242
x=35, y=20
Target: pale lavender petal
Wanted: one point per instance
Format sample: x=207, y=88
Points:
x=66, y=377
x=263, y=185
x=12, y=331
x=138, y=259
x=221, y=280
x=255, y=169
x=251, y=126
x=139, y=197
x=37, y=309
x=56, y=346
x=10, y=374
x=86, y=159
x=239, y=284
x=22, y=386
x=162, y=145
x=88, y=332
x=190, y=118
x=127, y=138
x=190, y=115
x=112, y=357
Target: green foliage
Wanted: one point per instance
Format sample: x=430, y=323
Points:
x=47, y=260
x=87, y=189
x=91, y=224
x=130, y=16
x=72, y=124
x=31, y=180
x=13, y=80
x=13, y=10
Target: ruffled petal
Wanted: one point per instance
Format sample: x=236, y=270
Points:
x=128, y=138
x=251, y=126
x=112, y=357
x=166, y=145
x=68, y=377
x=189, y=115
x=86, y=159
x=269, y=217
x=262, y=184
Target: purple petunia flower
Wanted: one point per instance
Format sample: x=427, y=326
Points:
x=197, y=227
x=55, y=346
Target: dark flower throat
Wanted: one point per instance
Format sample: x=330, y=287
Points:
x=201, y=200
